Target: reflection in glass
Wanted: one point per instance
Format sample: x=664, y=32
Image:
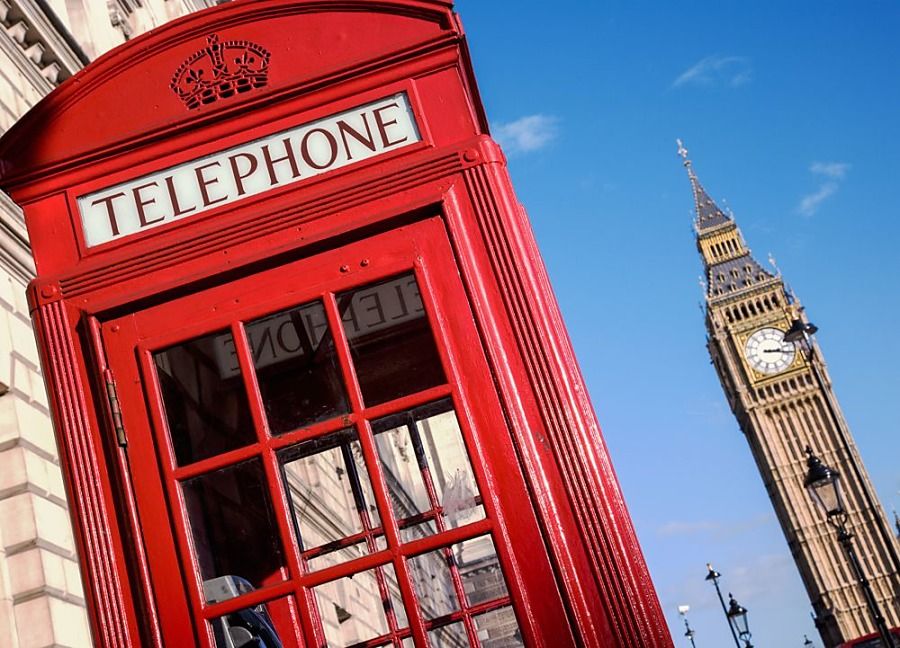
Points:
x=233, y=526
x=390, y=339
x=479, y=570
x=499, y=629
x=427, y=469
x=296, y=367
x=358, y=608
x=204, y=397
x=330, y=497
x=433, y=584
x=476, y=565
x=451, y=636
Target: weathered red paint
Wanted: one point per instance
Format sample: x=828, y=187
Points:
x=443, y=206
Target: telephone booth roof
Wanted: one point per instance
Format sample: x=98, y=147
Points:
x=124, y=99
x=131, y=112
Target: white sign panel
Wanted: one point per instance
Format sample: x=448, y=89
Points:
x=249, y=169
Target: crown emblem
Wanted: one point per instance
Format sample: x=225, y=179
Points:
x=221, y=70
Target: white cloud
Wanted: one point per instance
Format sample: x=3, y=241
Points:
x=733, y=71
x=526, y=134
x=836, y=170
x=810, y=203
x=833, y=173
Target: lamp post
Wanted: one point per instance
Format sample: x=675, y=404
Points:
x=737, y=616
x=688, y=630
x=824, y=486
x=800, y=333
x=714, y=576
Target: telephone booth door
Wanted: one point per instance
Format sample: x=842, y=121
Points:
x=319, y=458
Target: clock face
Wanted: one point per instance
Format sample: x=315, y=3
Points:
x=768, y=353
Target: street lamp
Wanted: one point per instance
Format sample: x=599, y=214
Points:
x=714, y=576
x=688, y=630
x=799, y=330
x=824, y=486
x=737, y=615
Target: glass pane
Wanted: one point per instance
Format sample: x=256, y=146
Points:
x=331, y=498
x=390, y=339
x=410, y=531
x=477, y=567
x=204, y=397
x=297, y=368
x=427, y=469
x=499, y=629
x=433, y=584
x=451, y=636
x=233, y=526
x=268, y=625
x=358, y=608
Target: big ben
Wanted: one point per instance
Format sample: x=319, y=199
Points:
x=781, y=395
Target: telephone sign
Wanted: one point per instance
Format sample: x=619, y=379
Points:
x=246, y=170
x=309, y=381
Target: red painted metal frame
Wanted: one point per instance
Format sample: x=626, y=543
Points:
x=423, y=247
x=118, y=119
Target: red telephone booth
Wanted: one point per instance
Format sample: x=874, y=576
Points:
x=310, y=383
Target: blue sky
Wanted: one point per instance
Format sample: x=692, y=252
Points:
x=790, y=113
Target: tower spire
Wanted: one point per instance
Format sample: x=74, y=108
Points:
x=708, y=213
x=730, y=268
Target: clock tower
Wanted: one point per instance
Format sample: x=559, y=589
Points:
x=781, y=394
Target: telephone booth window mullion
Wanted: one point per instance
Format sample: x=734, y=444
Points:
x=360, y=501
x=367, y=442
x=436, y=510
x=244, y=353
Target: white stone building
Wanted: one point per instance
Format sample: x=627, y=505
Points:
x=42, y=43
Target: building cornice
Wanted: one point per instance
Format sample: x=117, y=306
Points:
x=25, y=65
x=53, y=34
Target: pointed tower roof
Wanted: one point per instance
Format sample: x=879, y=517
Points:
x=708, y=213
x=730, y=268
